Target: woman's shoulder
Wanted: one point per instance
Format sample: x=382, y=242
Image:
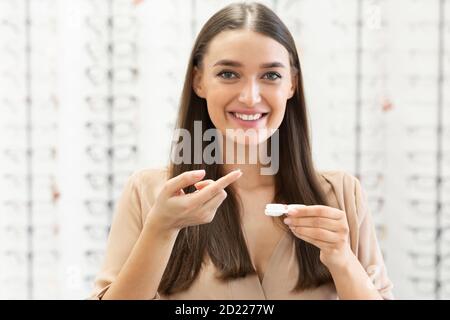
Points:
x=150, y=174
x=143, y=187
x=339, y=179
x=343, y=190
x=148, y=181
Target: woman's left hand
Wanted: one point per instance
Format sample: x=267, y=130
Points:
x=324, y=227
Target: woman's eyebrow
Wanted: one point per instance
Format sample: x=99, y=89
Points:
x=232, y=63
x=272, y=65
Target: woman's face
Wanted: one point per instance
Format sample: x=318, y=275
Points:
x=246, y=80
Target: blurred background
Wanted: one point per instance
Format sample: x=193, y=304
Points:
x=89, y=92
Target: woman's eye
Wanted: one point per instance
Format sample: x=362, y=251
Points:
x=272, y=76
x=227, y=75
x=230, y=75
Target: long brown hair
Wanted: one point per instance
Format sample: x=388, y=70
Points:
x=295, y=182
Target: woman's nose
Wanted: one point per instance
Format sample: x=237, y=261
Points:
x=250, y=94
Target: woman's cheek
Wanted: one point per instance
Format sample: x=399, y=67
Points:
x=216, y=111
x=277, y=102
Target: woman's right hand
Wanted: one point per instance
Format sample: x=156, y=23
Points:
x=174, y=210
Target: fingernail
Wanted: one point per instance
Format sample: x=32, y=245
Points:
x=240, y=172
x=198, y=173
x=287, y=221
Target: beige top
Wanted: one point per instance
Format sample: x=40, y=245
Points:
x=343, y=191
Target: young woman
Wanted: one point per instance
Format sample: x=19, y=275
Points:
x=198, y=230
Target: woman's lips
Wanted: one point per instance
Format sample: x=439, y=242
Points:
x=248, y=123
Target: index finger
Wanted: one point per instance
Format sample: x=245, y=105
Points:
x=315, y=211
x=213, y=188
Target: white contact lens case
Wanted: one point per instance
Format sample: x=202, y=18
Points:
x=275, y=209
x=278, y=209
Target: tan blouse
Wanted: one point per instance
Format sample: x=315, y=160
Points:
x=343, y=191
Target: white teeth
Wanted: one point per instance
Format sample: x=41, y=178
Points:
x=248, y=117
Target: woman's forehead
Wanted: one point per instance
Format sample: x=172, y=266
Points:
x=247, y=47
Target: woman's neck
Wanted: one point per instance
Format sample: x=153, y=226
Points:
x=251, y=177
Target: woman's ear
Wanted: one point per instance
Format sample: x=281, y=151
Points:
x=293, y=86
x=197, y=82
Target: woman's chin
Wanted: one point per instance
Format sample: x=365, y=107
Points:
x=247, y=140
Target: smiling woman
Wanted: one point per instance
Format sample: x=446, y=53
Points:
x=176, y=236
x=246, y=78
